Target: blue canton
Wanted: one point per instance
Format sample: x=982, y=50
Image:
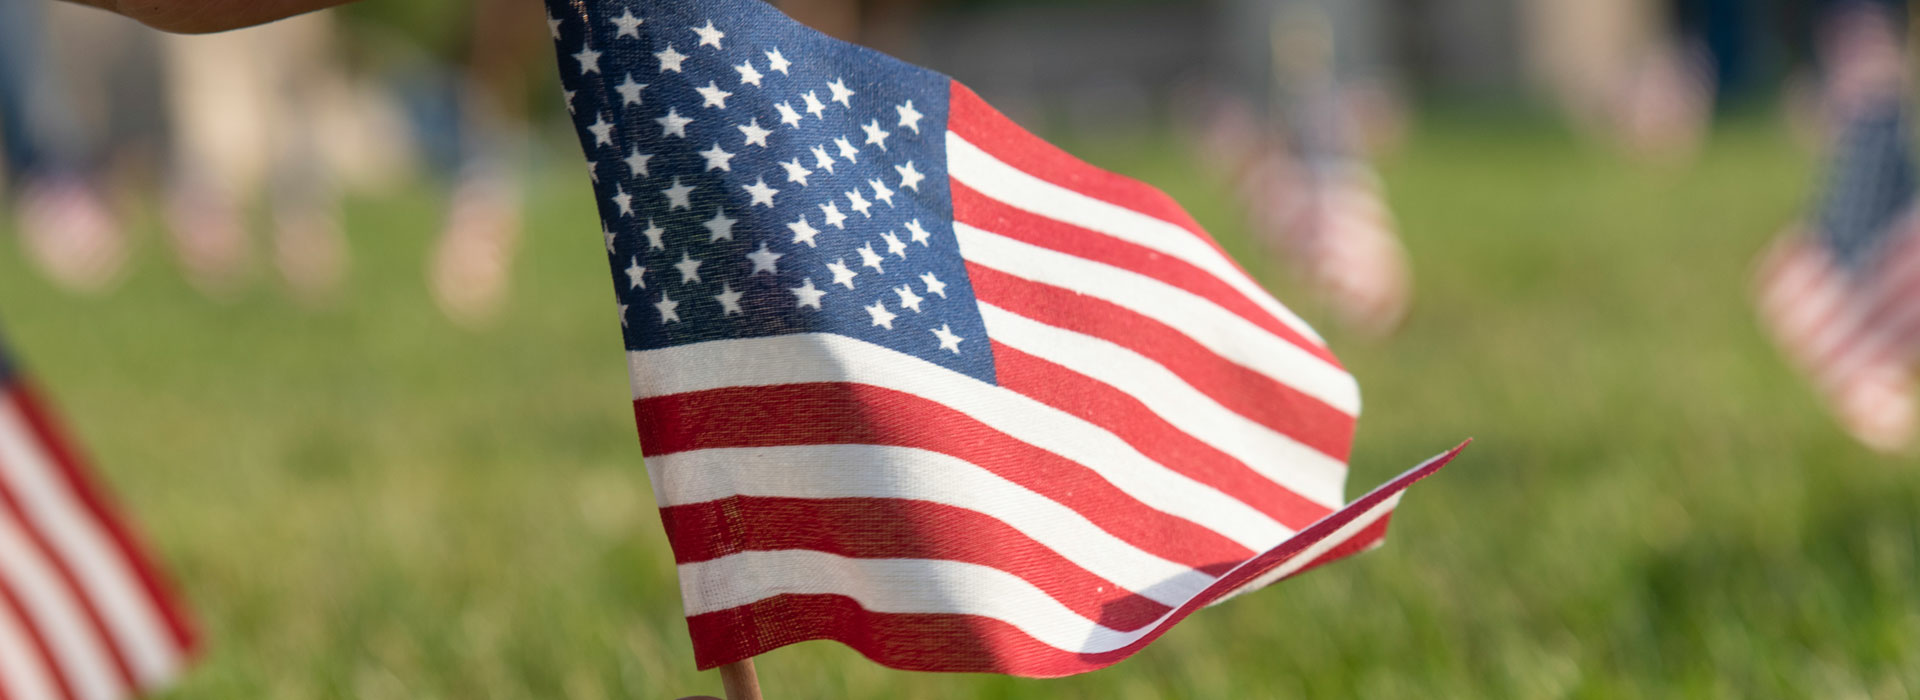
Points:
x=757, y=178
x=1870, y=183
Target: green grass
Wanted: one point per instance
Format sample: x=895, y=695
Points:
x=368, y=502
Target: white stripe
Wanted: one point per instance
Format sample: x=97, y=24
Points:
x=1227, y=334
x=1283, y=460
x=827, y=357
x=986, y=174
x=107, y=577
x=874, y=471
x=58, y=615
x=928, y=586
x=22, y=675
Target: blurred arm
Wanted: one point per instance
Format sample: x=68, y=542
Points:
x=202, y=16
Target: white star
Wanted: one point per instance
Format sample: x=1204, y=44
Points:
x=623, y=315
x=677, y=195
x=748, y=76
x=934, y=285
x=689, y=268
x=760, y=192
x=756, y=135
x=623, y=200
x=553, y=25
x=570, y=94
x=948, y=341
x=775, y=61
x=840, y=92
x=720, y=226
x=908, y=300
x=629, y=91
x=709, y=36
x=920, y=235
x=875, y=134
x=667, y=309
x=814, y=107
x=881, y=316
x=653, y=234
x=713, y=96
x=787, y=115
x=909, y=178
x=842, y=275
x=796, y=172
x=803, y=232
x=607, y=236
x=894, y=244
x=718, y=158
x=859, y=203
x=637, y=163
x=602, y=131
x=729, y=300
x=806, y=295
x=831, y=210
x=764, y=260
x=636, y=275
x=593, y=170
x=868, y=258
x=847, y=150
x=673, y=124
x=589, y=59
x=629, y=25
x=881, y=192
x=670, y=59
x=909, y=117
x=821, y=159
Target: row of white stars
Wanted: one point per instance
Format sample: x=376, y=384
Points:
x=805, y=296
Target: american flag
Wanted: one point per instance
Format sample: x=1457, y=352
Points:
x=1842, y=296
x=909, y=378
x=84, y=614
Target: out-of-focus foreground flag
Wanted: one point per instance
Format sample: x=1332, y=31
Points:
x=1842, y=295
x=84, y=613
x=909, y=378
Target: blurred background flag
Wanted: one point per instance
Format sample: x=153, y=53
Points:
x=1843, y=296
x=909, y=378
x=83, y=611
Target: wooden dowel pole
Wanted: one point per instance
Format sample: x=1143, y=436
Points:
x=739, y=680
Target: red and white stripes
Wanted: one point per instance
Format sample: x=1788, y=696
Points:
x=1162, y=434
x=83, y=614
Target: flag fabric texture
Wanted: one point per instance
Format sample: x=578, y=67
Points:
x=909, y=378
x=84, y=613
x=1842, y=294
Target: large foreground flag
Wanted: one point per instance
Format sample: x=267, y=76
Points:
x=909, y=378
x=84, y=614
x=1842, y=294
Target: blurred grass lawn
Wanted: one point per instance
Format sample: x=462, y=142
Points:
x=371, y=503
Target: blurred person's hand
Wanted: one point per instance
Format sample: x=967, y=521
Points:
x=204, y=16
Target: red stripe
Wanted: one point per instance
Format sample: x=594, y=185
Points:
x=892, y=528
x=1256, y=396
x=10, y=506
x=158, y=589
x=982, y=125
x=1124, y=416
x=978, y=210
x=1361, y=541
x=19, y=612
x=970, y=643
x=839, y=413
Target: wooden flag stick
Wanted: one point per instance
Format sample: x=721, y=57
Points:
x=739, y=680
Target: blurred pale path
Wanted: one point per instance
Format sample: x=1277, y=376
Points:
x=371, y=503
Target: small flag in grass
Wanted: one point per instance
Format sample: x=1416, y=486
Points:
x=909, y=378
x=84, y=613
